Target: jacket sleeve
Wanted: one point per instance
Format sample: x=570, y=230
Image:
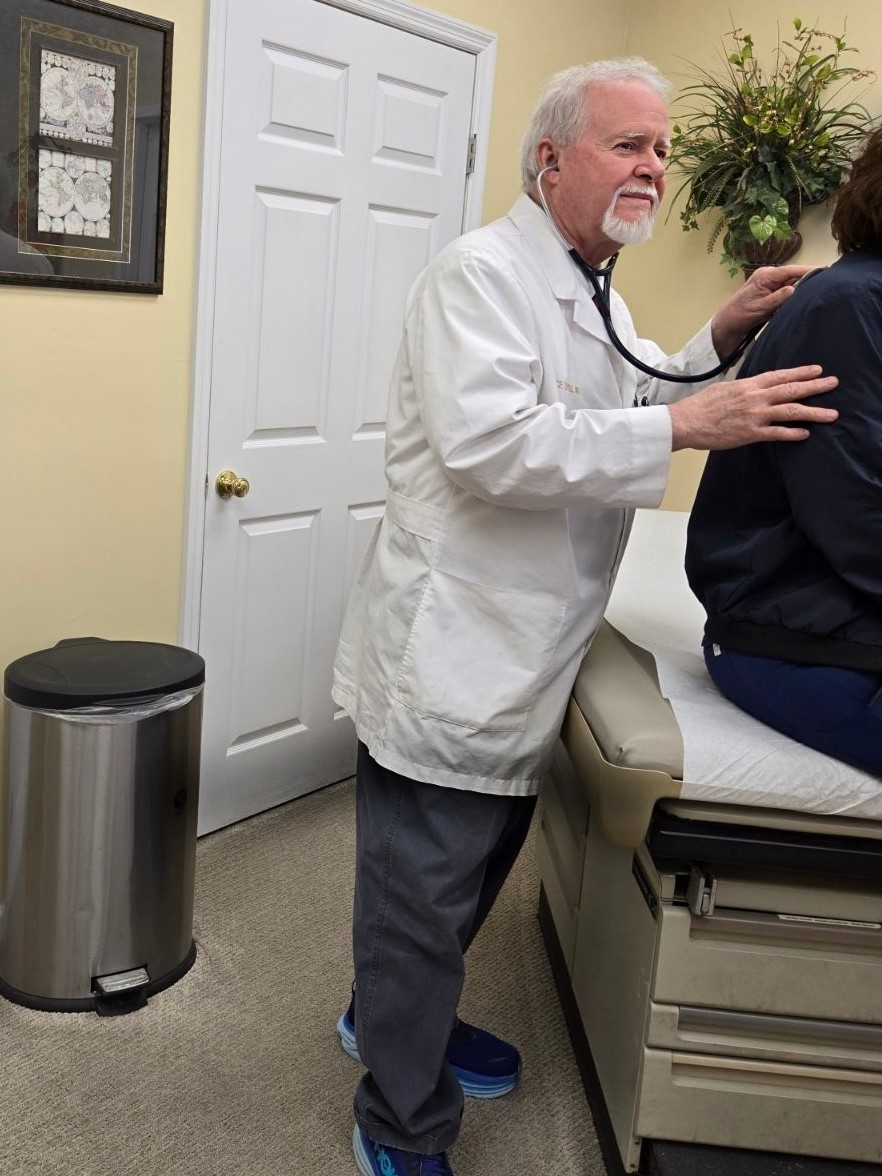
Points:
x=477, y=369
x=834, y=479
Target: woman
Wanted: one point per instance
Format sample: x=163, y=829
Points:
x=785, y=541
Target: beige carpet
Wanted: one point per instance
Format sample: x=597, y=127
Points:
x=236, y=1070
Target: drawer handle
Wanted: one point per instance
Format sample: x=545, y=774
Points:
x=801, y=1081
x=778, y=1028
x=732, y=924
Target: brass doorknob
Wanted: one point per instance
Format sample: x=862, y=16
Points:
x=229, y=485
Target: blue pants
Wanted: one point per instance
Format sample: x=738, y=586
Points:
x=833, y=710
x=430, y=862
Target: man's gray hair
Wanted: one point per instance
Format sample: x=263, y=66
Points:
x=561, y=112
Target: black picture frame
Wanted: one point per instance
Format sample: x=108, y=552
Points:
x=85, y=107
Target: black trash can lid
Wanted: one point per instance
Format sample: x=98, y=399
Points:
x=88, y=671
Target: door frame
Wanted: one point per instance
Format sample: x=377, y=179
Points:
x=434, y=26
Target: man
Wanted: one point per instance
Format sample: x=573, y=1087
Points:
x=785, y=542
x=514, y=457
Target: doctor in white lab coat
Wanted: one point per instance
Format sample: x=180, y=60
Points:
x=519, y=443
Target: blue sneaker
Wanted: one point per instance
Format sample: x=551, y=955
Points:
x=485, y=1066
x=375, y=1159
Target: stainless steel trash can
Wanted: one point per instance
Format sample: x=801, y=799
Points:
x=98, y=823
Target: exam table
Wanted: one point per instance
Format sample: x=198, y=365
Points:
x=711, y=900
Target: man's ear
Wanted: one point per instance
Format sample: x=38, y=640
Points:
x=546, y=154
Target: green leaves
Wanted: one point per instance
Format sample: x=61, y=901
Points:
x=758, y=142
x=763, y=228
x=775, y=222
x=745, y=53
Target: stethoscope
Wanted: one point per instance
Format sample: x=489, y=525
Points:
x=596, y=275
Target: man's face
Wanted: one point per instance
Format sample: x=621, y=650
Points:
x=612, y=178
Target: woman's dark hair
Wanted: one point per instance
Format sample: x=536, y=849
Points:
x=857, y=215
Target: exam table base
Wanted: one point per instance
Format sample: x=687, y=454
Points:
x=658, y=1157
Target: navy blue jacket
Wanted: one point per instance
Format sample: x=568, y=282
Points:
x=785, y=539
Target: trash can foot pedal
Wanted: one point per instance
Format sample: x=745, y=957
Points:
x=120, y=992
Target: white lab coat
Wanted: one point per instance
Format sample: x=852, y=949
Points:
x=514, y=461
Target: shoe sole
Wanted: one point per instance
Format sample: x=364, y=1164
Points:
x=362, y=1160
x=473, y=1085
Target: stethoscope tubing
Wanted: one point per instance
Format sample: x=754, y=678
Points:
x=602, y=302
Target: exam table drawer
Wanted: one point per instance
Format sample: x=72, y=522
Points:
x=763, y=1037
x=755, y=962
x=804, y=1110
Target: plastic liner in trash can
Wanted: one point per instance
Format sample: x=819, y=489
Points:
x=98, y=823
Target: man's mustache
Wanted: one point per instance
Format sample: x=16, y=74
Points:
x=638, y=190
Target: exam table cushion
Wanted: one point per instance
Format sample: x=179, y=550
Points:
x=645, y=694
x=617, y=690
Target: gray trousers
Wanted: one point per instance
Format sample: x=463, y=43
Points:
x=430, y=862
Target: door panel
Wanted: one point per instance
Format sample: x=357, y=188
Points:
x=342, y=172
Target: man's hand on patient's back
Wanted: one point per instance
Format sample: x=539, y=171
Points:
x=766, y=407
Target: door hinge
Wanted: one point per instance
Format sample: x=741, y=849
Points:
x=473, y=151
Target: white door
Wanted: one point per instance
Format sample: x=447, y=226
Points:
x=342, y=171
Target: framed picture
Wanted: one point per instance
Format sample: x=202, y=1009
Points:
x=85, y=94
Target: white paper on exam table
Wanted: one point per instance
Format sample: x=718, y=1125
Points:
x=729, y=757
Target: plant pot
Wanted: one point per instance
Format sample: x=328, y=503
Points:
x=771, y=252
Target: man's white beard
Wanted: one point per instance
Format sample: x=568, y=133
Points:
x=628, y=232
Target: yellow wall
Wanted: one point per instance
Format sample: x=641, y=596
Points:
x=95, y=389
x=94, y=403
x=533, y=42
x=671, y=284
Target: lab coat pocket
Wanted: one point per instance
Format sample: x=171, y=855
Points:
x=476, y=655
